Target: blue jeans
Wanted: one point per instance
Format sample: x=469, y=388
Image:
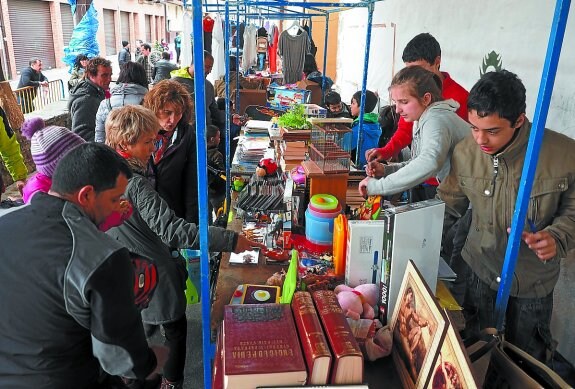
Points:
x=261, y=61
x=527, y=320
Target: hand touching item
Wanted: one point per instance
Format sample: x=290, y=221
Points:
x=373, y=155
x=375, y=169
x=20, y=185
x=362, y=188
x=244, y=244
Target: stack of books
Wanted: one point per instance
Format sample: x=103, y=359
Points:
x=249, y=153
x=268, y=345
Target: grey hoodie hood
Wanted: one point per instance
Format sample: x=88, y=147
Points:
x=127, y=94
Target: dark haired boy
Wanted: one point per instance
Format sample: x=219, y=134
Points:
x=335, y=107
x=370, y=130
x=423, y=50
x=485, y=172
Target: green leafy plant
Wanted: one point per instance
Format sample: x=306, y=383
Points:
x=294, y=118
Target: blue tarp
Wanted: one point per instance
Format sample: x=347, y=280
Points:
x=83, y=39
x=72, y=5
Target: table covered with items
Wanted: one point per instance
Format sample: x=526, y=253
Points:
x=345, y=290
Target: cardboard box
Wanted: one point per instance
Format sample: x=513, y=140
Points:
x=279, y=97
x=364, y=253
x=412, y=232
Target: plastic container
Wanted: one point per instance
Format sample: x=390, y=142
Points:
x=324, y=202
x=318, y=230
x=324, y=214
x=339, y=244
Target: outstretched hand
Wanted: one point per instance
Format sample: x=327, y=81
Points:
x=373, y=155
x=244, y=244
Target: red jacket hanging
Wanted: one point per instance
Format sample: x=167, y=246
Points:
x=273, y=49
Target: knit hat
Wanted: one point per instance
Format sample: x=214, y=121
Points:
x=48, y=144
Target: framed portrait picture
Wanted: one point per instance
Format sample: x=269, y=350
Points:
x=452, y=367
x=418, y=325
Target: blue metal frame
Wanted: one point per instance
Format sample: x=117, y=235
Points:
x=531, y=157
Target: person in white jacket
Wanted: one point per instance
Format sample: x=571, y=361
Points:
x=437, y=129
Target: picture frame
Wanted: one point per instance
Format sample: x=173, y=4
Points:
x=452, y=364
x=418, y=326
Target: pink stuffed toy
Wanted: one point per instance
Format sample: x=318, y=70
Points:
x=358, y=302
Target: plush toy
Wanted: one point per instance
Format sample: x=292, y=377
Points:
x=266, y=167
x=358, y=302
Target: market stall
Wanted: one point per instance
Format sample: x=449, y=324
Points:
x=549, y=71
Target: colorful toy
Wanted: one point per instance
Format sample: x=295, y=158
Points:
x=238, y=184
x=358, y=302
x=266, y=167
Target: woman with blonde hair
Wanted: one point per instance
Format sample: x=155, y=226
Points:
x=155, y=231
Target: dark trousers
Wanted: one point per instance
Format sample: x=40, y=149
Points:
x=176, y=333
x=527, y=320
x=422, y=192
x=460, y=231
x=178, y=52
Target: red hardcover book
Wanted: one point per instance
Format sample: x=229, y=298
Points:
x=347, y=357
x=261, y=347
x=313, y=341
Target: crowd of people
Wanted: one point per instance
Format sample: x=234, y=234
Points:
x=122, y=181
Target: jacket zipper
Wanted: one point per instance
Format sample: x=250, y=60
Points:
x=495, y=160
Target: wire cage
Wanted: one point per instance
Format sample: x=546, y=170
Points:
x=330, y=147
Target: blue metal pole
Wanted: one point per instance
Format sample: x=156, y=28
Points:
x=200, y=103
x=325, y=43
x=370, y=8
x=227, y=100
x=237, y=99
x=531, y=156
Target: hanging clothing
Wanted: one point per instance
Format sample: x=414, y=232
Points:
x=293, y=50
x=250, y=49
x=217, y=50
x=242, y=28
x=208, y=27
x=313, y=47
x=186, y=54
x=273, y=48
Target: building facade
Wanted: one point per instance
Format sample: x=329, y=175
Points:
x=42, y=28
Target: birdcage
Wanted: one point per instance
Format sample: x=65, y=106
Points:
x=331, y=144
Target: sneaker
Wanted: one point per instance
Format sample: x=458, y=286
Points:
x=172, y=385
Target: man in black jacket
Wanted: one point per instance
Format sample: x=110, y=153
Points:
x=124, y=55
x=68, y=309
x=85, y=98
x=31, y=76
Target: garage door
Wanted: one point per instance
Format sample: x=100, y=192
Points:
x=31, y=36
x=67, y=22
x=125, y=26
x=110, y=32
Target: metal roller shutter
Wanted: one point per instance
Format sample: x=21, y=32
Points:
x=32, y=36
x=148, y=29
x=110, y=32
x=67, y=22
x=125, y=26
